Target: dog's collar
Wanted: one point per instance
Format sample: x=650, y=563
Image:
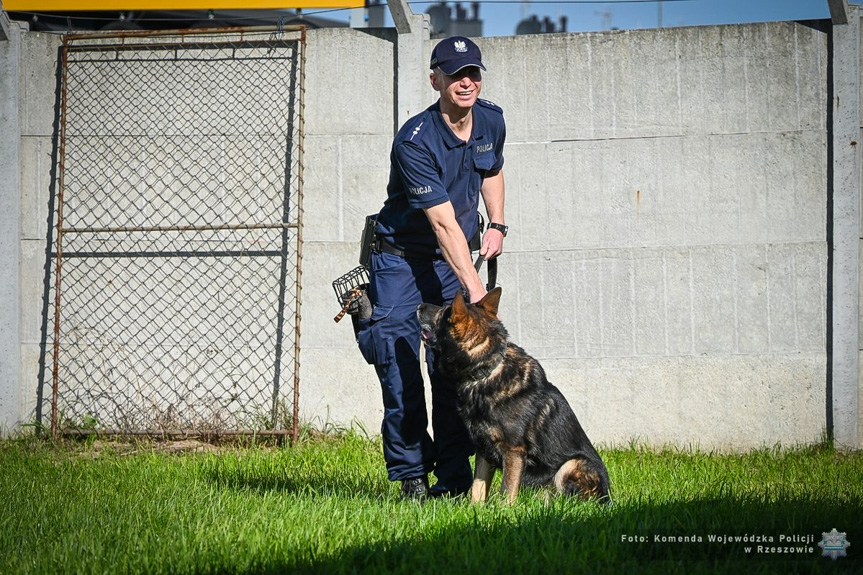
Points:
x=485, y=372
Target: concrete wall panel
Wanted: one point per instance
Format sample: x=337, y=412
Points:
x=39, y=83
x=343, y=184
x=709, y=402
x=349, y=82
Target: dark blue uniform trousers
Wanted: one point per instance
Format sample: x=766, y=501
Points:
x=390, y=340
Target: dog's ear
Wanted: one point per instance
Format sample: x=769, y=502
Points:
x=490, y=301
x=458, y=305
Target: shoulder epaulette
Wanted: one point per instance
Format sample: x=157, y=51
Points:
x=417, y=130
x=413, y=128
x=490, y=105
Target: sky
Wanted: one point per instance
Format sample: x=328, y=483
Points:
x=500, y=17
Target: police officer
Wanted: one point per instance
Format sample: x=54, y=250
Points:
x=442, y=160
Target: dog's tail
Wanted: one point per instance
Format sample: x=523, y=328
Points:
x=585, y=479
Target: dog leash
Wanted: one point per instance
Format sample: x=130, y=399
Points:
x=492, y=271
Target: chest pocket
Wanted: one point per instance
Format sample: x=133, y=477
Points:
x=483, y=162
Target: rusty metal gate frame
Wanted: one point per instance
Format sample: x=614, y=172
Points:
x=245, y=37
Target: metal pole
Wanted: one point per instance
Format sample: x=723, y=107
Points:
x=58, y=258
x=295, y=431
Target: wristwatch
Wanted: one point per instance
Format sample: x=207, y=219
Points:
x=499, y=227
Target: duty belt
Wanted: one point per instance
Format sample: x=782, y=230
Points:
x=383, y=246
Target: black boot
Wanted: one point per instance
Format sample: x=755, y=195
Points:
x=415, y=488
x=448, y=493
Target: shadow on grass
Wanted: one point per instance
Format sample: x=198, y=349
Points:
x=725, y=535
x=627, y=538
x=665, y=538
x=346, y=484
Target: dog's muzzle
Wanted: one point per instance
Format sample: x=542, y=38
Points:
x=427, y=332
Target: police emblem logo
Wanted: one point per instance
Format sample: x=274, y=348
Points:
x=834, y=544
x=459, y=46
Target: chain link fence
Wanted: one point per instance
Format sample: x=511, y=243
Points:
x=178, y=236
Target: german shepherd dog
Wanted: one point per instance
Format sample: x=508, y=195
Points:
x=518, y=420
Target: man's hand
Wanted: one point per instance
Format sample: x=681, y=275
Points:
x=492, y=244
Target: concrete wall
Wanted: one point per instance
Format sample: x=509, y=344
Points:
x=667, y=260
x=10, y=391
x=845, y=345
x=29, y=68
x=667, y=193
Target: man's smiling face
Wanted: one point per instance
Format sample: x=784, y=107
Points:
x=459, y=90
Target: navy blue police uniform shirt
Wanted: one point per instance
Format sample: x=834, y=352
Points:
x=431, y=165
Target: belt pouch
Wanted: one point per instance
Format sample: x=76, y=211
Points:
x=368, y=240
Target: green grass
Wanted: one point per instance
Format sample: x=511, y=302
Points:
x=325, y=506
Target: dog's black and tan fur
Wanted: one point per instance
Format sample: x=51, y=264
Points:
x=518, y=420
